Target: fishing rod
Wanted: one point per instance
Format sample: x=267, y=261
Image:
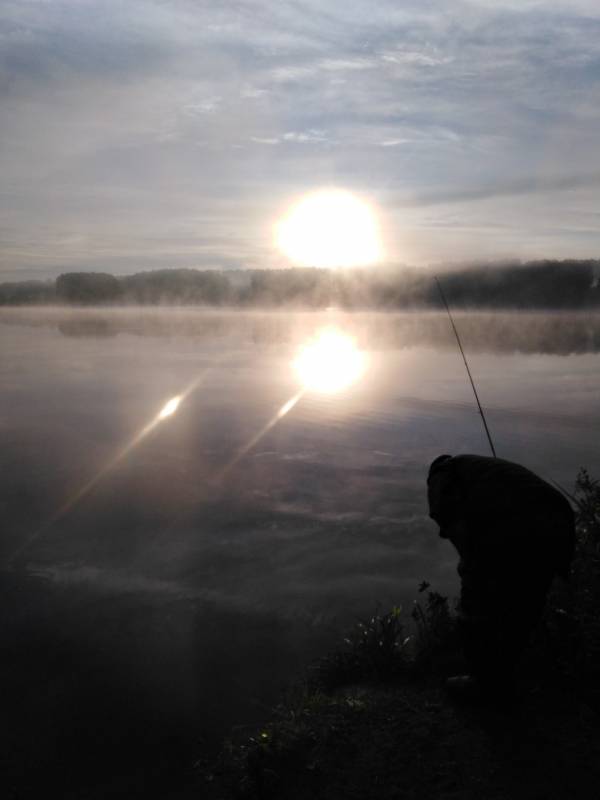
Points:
x=462, y=352
x=572, y=499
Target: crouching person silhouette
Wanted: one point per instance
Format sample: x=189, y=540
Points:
x=513, y=532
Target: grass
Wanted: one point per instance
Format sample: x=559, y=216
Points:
x=375, y=649
x=587, y=499
x=322, y=711
x=573, y=613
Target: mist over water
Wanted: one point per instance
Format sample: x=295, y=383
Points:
x=205, y=594
x=548, y=332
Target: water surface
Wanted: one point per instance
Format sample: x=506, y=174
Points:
x=176, y=596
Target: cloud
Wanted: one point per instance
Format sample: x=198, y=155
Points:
x=158, y=132
x=527, y=185
x=265, y=140
x=394, y=142
x=302, y=137
x=347, y=64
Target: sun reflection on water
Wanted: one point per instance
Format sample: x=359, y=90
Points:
x=330, y=362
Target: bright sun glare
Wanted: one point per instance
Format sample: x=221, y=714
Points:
x=330, y=228
x=329, y=363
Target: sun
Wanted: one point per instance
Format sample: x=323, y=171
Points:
x=330, y=228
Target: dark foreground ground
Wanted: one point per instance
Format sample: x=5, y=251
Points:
x=408, y=739
x=112, y=693
x=397, y=737
x=411, y=742
x=374, y=720
x=369, y=720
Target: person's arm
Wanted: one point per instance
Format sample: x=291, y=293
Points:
x=458, y=535
x=444, y=499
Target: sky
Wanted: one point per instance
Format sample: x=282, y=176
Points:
x=146, y=134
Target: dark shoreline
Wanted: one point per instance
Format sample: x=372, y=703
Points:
x=549, y=284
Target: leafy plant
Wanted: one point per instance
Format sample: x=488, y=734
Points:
x=374, y=649
x=434, y=626
x=587, y=499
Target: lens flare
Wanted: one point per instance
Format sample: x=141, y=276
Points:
x=330, y=228
x=283, y=411
x=330, y=363
x=170, y=407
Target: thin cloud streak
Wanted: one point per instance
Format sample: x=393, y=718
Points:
x=529, y=185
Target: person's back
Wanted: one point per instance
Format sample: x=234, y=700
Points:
x=514, y=532
x=506, y=508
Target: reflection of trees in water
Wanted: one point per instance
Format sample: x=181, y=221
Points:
x=95, y=328
x=552, y=333
x=555, y=333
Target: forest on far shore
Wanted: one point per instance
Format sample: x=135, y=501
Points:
x=567, y=284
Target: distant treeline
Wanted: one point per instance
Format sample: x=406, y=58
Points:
x=565, y=284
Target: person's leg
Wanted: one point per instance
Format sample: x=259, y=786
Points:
x=480, y=626
x=525, y=605
x=498, y=615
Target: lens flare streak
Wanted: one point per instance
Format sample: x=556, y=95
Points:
x=283, y=411
x=166, y=411
x=169, y=408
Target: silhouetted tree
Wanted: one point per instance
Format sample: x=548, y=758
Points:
x=87, y=288
x=565, y=284
x=27, y=293
x=177, y=286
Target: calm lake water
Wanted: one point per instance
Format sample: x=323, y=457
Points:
x=177, y=593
